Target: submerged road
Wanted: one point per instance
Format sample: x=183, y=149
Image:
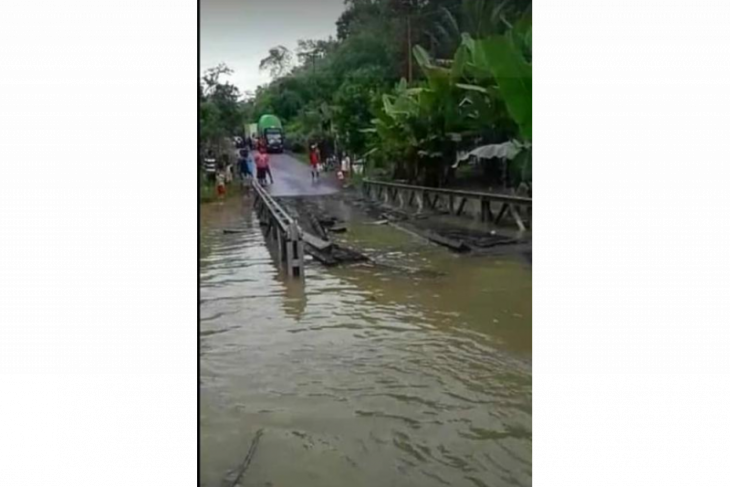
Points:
x=293, y=178
x=415, y=372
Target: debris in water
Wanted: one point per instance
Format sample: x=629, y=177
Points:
x=338, y=228
x=240, y=471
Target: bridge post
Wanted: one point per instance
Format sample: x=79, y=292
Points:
x=419, y=200
x=278, y=240
x=486, y=211
x=283, y=231
x=295, y=251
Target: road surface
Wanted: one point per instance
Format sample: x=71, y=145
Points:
x=293, y=178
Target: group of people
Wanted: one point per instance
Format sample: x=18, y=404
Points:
x=217, y=171
x=221, y=172
x=315, y=162
x=260, y=163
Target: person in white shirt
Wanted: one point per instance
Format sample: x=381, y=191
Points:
x=345, y=163
x=229, y=173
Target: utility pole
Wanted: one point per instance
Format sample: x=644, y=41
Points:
x=410, y=54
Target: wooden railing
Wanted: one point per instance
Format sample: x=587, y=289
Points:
x=282, y=229
x=456, y=202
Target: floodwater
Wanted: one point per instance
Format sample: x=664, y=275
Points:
x=414, y=371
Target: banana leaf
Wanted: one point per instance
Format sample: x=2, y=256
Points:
x=478, y=65
x=514, y=78
x=468, y=41
x=469, y=87
x=460, y=60
x=423, y=58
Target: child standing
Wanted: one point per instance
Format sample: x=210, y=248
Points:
x=221, y=184
x=345, y=164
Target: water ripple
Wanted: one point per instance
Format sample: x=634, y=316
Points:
x=362, y=376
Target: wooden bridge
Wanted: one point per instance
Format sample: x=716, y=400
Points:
x=476, y=204
x=282, y=230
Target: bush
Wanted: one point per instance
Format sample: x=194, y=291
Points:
x=294, y=141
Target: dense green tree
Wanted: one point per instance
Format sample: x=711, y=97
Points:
x=469, y=66
x=218, y=103
x=353, y=112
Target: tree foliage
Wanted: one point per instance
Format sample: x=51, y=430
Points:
x=277, y=62
x=469, y=63
x=220, y=112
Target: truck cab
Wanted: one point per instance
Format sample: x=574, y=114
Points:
x=271, y=132
x=274, y=140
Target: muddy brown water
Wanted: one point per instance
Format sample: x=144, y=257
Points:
x=414, y=370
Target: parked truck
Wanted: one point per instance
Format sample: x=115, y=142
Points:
x=251, y=130
x=271, y=133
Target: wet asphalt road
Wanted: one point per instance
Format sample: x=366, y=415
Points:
x=293, y=178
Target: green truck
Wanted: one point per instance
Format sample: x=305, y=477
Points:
x=271, y=133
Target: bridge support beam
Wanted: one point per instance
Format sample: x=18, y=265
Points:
x=456, y=202
x=282, y=230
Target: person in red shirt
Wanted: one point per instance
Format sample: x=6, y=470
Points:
x=314, y=161
x=262, y=167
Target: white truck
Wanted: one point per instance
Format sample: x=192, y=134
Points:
x=251, y=130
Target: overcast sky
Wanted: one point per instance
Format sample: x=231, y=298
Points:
x=240, y=32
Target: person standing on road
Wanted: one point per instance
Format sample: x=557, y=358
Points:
x=262, y=167
x=250, y=163
x=346, y=163
x=314, y=162
x=243, y=169
x=229, y=172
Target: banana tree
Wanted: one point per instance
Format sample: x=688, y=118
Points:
x=500, y=66
x=395, y=122
x=447, y=113
x=498, y=79
x=487, y=88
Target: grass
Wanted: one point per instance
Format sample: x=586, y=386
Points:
x=207, y=193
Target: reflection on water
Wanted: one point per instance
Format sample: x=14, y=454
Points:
x=414, y=371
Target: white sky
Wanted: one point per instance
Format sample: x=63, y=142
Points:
x=241, y=32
